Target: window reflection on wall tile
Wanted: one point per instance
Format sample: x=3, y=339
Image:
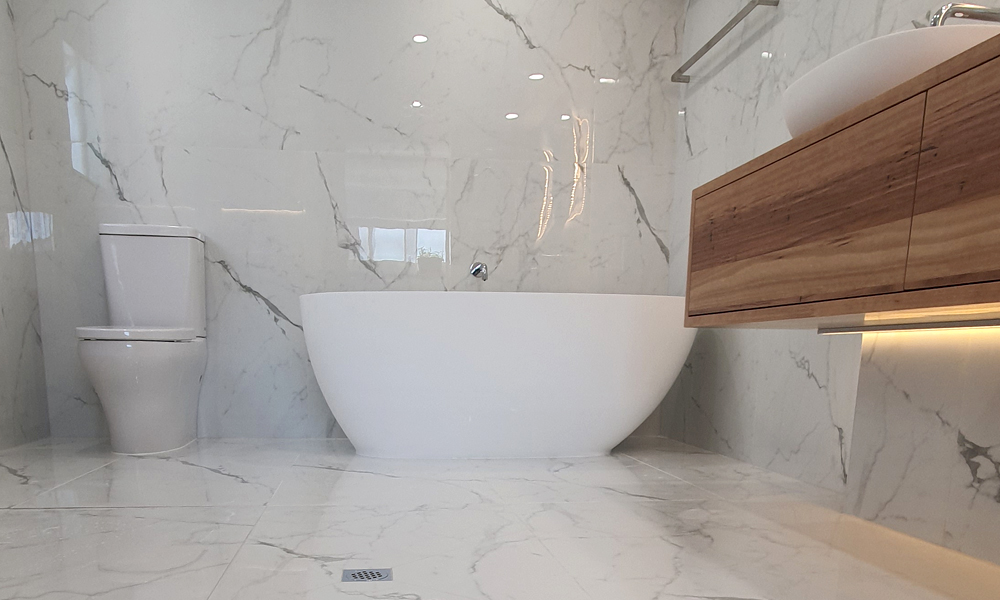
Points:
x=402, y=244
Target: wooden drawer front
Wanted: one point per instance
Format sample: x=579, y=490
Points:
x=956, y=219
x=830, y=221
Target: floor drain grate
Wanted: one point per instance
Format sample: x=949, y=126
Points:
x=367, y=575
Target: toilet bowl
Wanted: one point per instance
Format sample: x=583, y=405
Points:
x=147, y=366
x=148, y=381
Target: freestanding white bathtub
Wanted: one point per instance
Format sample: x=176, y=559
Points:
x=492, y=374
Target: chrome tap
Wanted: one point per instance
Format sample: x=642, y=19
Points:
x=479, y=270
x=964, y=11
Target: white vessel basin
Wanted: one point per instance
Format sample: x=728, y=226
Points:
x=869, y=69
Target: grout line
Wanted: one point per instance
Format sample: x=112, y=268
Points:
x=738, y=504
x=642, y=462
x=51, y=443
x=566, y=570
x=236, y=554
x=20, y=506
x=273, y=494
x=719, y=496
x=506, y=510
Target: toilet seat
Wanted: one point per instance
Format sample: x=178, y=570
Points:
x=141, y=334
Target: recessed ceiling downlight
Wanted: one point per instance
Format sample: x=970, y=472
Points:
x=420, y=38
x=511, y=116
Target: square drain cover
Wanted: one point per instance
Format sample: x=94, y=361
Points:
x=367, y=575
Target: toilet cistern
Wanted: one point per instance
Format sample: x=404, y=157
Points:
x=147, y=366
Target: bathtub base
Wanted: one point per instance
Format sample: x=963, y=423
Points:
x=439, y=375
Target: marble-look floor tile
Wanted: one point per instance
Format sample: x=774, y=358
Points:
x=293, y=514
x=686, y=550
x=625, y=517
x=612, y=470
x=534, y=489
x=33, y=469
x=697, y=466
x=119, y=554
x=323, y=479
x=206, y=473
x=714, y=550
x=67, y=444
x=731, y=479
x=330, y=485
x=480, y=552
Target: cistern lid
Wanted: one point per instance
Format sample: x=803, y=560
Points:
x=152, y=230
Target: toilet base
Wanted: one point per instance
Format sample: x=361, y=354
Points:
x=157, y=453
x=148, y=390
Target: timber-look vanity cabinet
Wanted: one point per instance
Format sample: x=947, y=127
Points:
x=893, y=206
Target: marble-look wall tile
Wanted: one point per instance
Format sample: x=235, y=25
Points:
x=23, y=414
x=284, y=130
x=780, y=399
x=926, y=458
x=280, y=224
x=776, y=399
x=341, y=76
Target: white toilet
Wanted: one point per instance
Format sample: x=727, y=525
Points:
x=147, y=366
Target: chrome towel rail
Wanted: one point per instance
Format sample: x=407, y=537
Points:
x=680, y=77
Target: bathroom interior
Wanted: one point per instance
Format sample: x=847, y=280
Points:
x=471, y=299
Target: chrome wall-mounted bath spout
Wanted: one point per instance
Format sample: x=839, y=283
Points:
x=959, y=10
x=480, y=271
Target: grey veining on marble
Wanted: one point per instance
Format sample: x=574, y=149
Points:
x=281, y=518
x=778, y=399
x=927, y=438
x=23, y=411
x=907, y=426
x=31, y=470
x=284, y=131
x=121, y=553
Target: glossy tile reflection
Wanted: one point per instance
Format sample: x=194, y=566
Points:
x=321, y=146
x=778, y=399
x=23, y=410
x=927, y=459
x=790, y=401
x=281, y=519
